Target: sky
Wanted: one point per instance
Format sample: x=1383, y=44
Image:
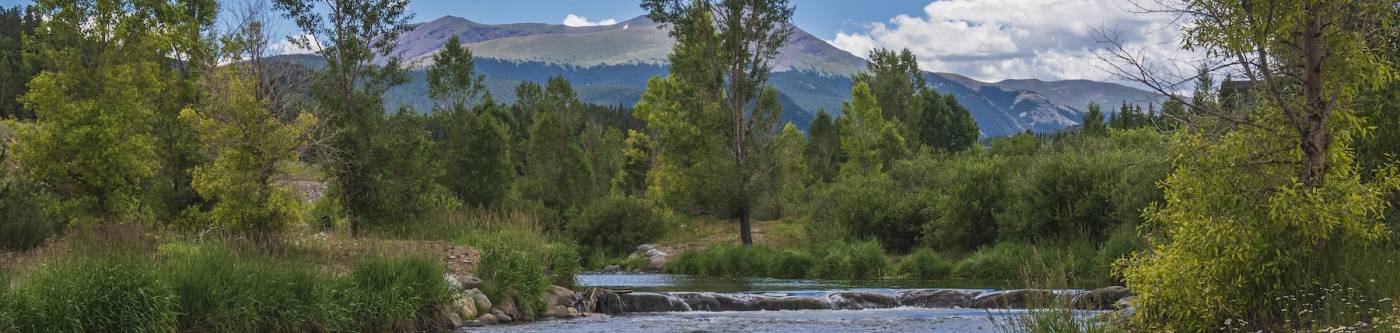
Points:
x=987, y=40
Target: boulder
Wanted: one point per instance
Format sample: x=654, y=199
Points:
x=937, y=298
x=559, y=296
x=706, y=301
x=657, y=263
x=600, y=301
x=561, y=312
x=792, y=303
x=487, y=319
x=653, y=253
x=450, y=318
x=1011, y=299
x=505, y=309
x=612, y=268
x=1101, y=299
x=1126, y=302
x=483, y=304
x=645, y=247
x=466, y=307
x=453, y=283
x=861, y=301
x=652, y=302
x=470, y=281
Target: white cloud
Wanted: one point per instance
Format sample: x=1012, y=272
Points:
x=284, y=46
x=580, y=21
x=992, y=40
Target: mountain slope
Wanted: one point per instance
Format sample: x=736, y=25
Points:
x=610, y=65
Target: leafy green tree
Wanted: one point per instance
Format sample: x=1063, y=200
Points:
x=604, y=147
x=870, y=140
x=107, y=103
x=1093, y=123
x=945, y=124
x=15, y=24
x=404, y=175
x=793, y=177
x=824, y=150
x=725, y=50
x=638, y=155
x=472, y=139
x=896, y=81
x=558, y=172
x=350, y=35
x=1275, y=204
x=246, y=145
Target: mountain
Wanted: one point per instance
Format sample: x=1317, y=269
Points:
x=610, y=64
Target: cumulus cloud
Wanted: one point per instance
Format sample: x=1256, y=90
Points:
x=285, y=46
x=992, y=40
x=580, y=21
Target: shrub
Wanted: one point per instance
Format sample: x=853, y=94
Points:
x=925, y=264
x=725, y=261
x=792, y=264
x=615, y=225
x=7, y=306
x=219, y=292
x=972, y=193
x=998, y=262
x=106, y=294
x=853, y=260
x=391, y=294
x=511, y=266
x=23, y=223
x=872, y=207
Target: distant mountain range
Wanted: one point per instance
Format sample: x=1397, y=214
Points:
x=610, y=64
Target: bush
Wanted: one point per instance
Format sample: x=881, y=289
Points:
x=792, y=264
x=23, y=223
x=7, y=306
x=872, y=207
x=971, y=194
x=998, y=262
x=392, y=294
x=219, y=292
x=511, y=266
x=616, y=225
x=925, y=264
x=852, y=260
x=724, y=261
x=106, y=294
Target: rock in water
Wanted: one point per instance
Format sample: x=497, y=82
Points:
x=653, y=302
x=1101, y=299
x=937, y=298
x=483, y=304
x=1012, y=299
x=487, y=319
x=861, y=301
x=560, y=296
x=792, y=303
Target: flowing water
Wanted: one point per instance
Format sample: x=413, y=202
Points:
x=898, y=319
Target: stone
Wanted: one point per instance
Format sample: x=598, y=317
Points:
x=861, y=301
x=937, y=298
x=1101, y=299
x=487, y=319
x=476, y=323
x=1126, y=302
x=612, y=268
x=466, y=307
x=657, y=263
x=505, y=309
x=561, y=312
x=502, y=317
x=470, y=281
x=453, y=283
x=601, y=301
x=707, y=301
x=652, y=302
x=451, y=318
x=653, y=253
x=1011, y=299
x=645, y=247
x=483, y=304
x=559, y=296
x=791, y=303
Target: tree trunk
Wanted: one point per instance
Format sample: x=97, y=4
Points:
x=745, y=235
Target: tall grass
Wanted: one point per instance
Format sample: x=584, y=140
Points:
x=841, y=260
x=1047, y=313
x=852, y=260
x=7, y=306
x=100, y=294
x=925, y=264
x=396, y=294
x=219, y=292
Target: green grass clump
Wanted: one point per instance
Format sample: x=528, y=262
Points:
x=725, y=261
x=522, y=265
x=219, y=292
x=852, y=260
x=792, y=264
x=999, y=262
x=7, y=307
x=103, y=294
x=615, y=225
x=925, y=264
x=392, y=294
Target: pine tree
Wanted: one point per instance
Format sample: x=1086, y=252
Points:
x=1093, y=123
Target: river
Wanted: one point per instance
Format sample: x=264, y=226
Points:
x=898, y=319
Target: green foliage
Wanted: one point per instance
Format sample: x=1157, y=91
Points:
x=558, y=172
x=105, y=294
x=23, y=222
x=392, y=294
x=16, y=23
x=404, y=174
x=972, y=194
x=793, y=177
x=475, y=150
x=452, y=78
x=1002, y=261
x=925, y=264
x=873, y=206
x=851, y=260
x=1093, y=122
x=219, y=292
x=8, y=307
x=896, y=81
x=823, y=154
x=870, y=140
x=510, y=270
x=349, y=94
x=944, y=124
x=246, y=144
x=613, y=226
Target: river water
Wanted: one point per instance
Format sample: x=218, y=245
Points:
x=901, y=319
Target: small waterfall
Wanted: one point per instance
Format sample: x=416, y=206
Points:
x=619, y=302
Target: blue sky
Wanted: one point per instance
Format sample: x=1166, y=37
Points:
x=987, y=40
